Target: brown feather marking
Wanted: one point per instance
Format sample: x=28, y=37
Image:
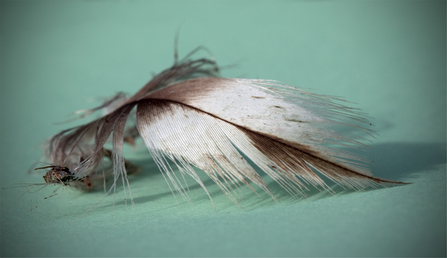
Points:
x=302, y=153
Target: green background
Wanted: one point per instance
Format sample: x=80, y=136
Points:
x=387, y=56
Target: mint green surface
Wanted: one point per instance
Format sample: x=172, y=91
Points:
x=387, y=56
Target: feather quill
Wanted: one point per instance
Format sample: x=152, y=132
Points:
x=191, y=117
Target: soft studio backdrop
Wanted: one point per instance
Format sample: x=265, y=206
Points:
x=387, y=56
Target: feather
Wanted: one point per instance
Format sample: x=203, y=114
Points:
x=189, y=116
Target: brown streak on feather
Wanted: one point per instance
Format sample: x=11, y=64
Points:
x=307, y=151
x=293, y=120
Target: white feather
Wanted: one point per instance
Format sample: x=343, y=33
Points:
x=211, y=123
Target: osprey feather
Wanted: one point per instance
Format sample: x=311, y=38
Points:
x=193, y=118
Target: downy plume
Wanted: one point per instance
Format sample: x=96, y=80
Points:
x=191, y=117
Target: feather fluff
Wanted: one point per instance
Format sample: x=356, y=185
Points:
x=189, y=116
